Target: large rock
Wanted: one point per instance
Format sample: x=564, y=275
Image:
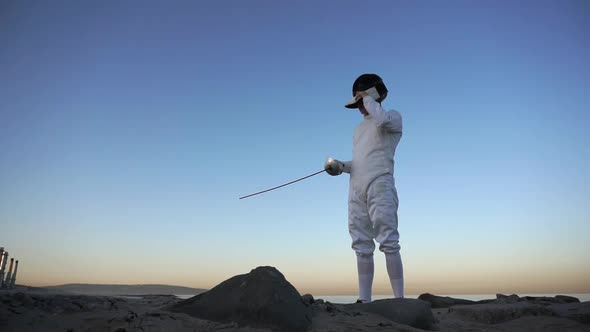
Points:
x=415, y=313
x=499, y=313
x=567, y=299
x=443, y=301
x=261, y=298
x=501, y=298
x=544, y=300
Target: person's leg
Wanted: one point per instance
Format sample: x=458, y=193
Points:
x=395, y=270
x=382, y=206
x=366, y=271
x=361, y=232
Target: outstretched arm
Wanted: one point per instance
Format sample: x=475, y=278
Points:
x=347, y=165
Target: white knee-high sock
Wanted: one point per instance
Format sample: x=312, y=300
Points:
x=366, y=271
x=395, y=270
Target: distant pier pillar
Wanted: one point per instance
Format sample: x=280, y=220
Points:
x=13, y=279
x=3, y=267
x=8, y=275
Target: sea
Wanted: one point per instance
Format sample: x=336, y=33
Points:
x=583, y=297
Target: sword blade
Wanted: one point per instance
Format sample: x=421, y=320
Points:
x=286, y=184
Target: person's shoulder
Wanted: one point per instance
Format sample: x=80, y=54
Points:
x=394, y=112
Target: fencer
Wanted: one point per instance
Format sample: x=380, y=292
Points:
x=372, y=197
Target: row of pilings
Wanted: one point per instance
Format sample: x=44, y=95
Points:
x=7, y=280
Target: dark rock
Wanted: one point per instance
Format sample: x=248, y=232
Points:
x=499, y=313
x=331, y=308
x=567, y=299
x=131, y=316
x=500, y=298
x=576, y=311
x=443, y=301
x=545, y=300
x=262, y=298
x=308, y=299
x=415, y=313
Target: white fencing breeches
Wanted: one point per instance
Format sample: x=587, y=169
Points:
x=372, y=215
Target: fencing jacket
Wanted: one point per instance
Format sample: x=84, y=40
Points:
x=374, y=144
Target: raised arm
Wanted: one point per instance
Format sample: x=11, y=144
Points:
x=391, y=121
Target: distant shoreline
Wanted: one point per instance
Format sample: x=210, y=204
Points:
x=124, y=289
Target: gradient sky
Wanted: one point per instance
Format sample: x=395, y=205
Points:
x=128, y=130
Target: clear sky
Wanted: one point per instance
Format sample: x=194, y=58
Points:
x=128, y=130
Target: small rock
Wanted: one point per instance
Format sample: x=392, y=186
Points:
x=331, y=308
x=130, y=316
x=308, y=299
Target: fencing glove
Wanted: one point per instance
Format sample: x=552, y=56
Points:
x=334, y=167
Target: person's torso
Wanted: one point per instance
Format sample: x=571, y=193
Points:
x=372, y=153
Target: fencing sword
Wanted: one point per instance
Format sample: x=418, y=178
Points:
x=283, y=185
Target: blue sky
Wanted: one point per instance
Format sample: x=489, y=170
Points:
x=128, y=130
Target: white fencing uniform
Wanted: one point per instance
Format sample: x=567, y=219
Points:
x=372, y=200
